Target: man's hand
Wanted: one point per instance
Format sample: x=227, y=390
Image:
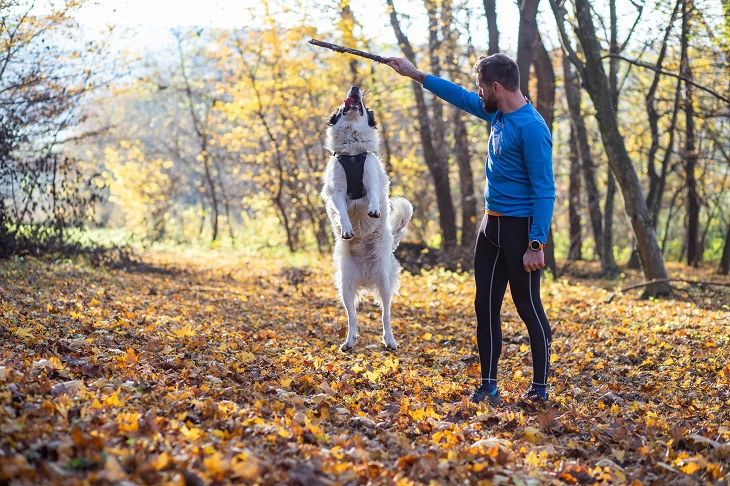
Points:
x=533, y=260
x=404, y=67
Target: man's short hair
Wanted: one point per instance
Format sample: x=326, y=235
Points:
x=500, y=68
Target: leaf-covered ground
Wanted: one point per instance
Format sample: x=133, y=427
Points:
x=218, y=370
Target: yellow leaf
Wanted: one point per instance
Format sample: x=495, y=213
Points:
x=418, y=414
x=217, y=465
x=185, y=331
x=191, y=434
x=160, y=462
x=480, y=466
x=427, y=336
x=373, y=376
x=245, y=357
x=128, y=422
x=532, y=434
x=23, y=332
x=691, y=467
x=114, y=400
x=245, y=466
x=357, y=368
x=524, y=348
x=532, y=459
x=131, y=357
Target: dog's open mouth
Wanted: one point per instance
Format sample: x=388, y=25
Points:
x=352, y=101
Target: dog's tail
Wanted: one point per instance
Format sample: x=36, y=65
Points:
x=400, y=214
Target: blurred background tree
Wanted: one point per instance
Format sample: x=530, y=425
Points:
x=215, y=132
x=48, y=71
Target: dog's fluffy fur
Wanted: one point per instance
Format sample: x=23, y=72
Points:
x=364, y=241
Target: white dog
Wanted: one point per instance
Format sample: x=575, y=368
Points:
x=355, y=191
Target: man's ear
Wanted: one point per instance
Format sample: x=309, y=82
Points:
x=371, y=119
x=334, y=117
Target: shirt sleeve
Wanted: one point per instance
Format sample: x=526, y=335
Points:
x=458, y=96
x=537, y=148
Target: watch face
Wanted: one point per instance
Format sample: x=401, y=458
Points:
x=535, y=245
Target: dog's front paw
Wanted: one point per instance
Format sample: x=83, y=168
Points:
x=374, y=213
x=347, y=232
x=389, y=343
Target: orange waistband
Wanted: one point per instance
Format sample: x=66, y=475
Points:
x=493, y=213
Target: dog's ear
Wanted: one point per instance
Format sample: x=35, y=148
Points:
x=371, y=119
x=334, y=117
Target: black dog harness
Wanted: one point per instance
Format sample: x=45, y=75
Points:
x=354, y=166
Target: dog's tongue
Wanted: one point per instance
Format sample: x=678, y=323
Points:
x=350, y=102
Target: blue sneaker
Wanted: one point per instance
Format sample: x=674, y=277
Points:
x=535, y=396
x=480, y=394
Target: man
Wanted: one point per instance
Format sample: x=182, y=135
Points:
x=519, y=197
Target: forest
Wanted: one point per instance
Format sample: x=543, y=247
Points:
x=166, y=308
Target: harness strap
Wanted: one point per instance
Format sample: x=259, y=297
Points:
x=354, y=166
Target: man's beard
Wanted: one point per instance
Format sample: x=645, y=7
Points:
x=490, y=105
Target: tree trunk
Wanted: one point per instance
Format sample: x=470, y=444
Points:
x=527, y=52
x=201, y=130
x=725, y=260
x=690, y=151
x=595, y=82
x=437, y=166
x=657, y=181
x=466, y=180
x=545, y=105
x=526, y=39
x=347, y=23
x=573, y=97
x=609, y=209
x=576, y=240
x=461, y=151
x=490, y=10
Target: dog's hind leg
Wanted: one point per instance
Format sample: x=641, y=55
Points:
x=348, y=294
x=386, y=295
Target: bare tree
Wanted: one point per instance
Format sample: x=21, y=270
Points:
x=432, y=152
x=490, y=10
x=199, y=108
x=588, y=170
x=462, y=153
x=43, y=191
x=597, y=85
x=575, y=242
x=690, y=150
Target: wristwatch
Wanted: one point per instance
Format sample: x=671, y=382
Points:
x=536, y=245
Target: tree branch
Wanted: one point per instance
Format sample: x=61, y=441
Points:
x=667, y=73
x=559, y=13
x=698, y=283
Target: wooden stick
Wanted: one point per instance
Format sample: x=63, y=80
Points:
x=348, y=50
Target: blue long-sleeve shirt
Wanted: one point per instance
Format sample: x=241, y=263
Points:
x=519, y=166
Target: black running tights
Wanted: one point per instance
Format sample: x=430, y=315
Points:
x=501, y=243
